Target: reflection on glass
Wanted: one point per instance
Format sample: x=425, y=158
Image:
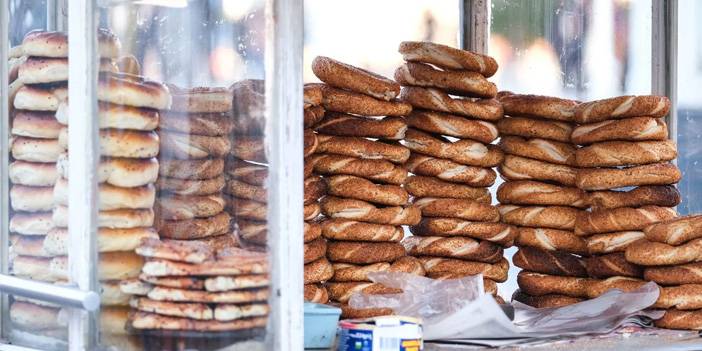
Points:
x=572, y=49
x=204, y=280
x=582, y=50
x=182, y=229
x=689, y=104
x=348, y=31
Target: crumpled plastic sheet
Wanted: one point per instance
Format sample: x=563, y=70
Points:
x=459, y=309
x=611, y=308
x=428, y=299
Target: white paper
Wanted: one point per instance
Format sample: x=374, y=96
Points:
x=458, y=311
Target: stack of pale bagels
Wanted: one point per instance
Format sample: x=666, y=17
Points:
x=34, y=150
x=194, y=136
x=126, y=171
x=670, y=254
x=193, y=286
x=625, y=170
x=315, y=247
x=361, y=160
x=540, y=198
x=128, y=116
x=246, y=167
x=450, y=130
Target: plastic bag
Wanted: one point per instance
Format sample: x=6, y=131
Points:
x=425, y=298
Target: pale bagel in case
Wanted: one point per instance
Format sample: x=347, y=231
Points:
x=33, y=173
x=122, y=143
x=36, y=150
x=121, y=172
x=115, y=219
x=109, y=240
x=35, y=124
x=31, y=199
x=40, y=70
x=131, y=90
x=35, y=98
x=55, y=44
x=118, y=117
x=38, y=223
x=111, y=197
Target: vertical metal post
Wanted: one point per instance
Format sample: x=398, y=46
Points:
x=475, y=25
x=51, y=13
x=4, y=162
x=56, y=15
x=83, y=154
x=283, y=66
x=664, y=64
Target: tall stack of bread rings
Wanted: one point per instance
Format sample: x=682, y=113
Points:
x=34, y=150
x=246, y=167
x=540, y=198
x=197, y=278
x=317, y=268
x=194, y=136
x=450, y=131
x=127, y=118
x=670, y=255
x=359, y=155
x=625, y=170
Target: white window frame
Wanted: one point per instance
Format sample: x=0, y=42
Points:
x=284, y=144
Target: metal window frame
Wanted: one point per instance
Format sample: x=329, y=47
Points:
x=474, y=25
x=284, y=138
x=84, y=155
x=4, y=162
x=664, y=62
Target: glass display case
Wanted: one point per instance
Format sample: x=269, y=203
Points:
x=142, y=215
x=160, y=209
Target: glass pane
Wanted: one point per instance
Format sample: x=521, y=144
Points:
x=689, y=105
x=34, y=152
x=181, y=129
x=572, y=49
x=332, y=29
x=582, y=50
x=367, y=211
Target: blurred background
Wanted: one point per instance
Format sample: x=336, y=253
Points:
x=579, y=49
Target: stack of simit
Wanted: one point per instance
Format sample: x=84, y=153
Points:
x=246, y=167
x=451, y=128
x=193, y=286
x=361, y=160
x=670, y=254
x=194, y=136
x=539, y=196
x=626, y=171
x=316, y=270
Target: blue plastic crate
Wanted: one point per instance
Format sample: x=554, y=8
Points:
x=320, y=325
